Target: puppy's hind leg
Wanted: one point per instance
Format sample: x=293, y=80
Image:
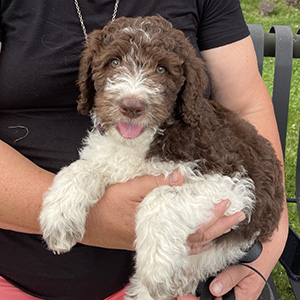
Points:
x=137, y=290
x=65, y=206
x=167, y=216
x=162, y=259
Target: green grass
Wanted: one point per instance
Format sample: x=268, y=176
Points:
x=282, y=15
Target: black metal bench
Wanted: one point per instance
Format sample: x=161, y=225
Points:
x=284, y=46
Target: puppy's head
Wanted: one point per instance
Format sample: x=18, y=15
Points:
x=132, y=71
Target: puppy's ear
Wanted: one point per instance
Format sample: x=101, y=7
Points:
x=85, y=82
x=192, y=95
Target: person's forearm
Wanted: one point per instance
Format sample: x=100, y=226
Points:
x=265, y=123
x=22, y=186
x=273, y=249
x=111, y=221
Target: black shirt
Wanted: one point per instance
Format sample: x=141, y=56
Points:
x=41, y=45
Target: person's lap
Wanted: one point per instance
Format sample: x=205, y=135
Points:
x=10, y=292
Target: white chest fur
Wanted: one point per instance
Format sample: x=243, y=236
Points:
x=121, y=159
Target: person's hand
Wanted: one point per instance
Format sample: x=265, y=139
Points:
x=217, y=226
x=247, y=284
x=111, y=222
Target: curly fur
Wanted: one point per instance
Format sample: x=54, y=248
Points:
x=144, y=85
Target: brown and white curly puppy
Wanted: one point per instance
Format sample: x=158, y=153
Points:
x=143, y=84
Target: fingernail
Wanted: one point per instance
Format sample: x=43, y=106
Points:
x=241, y=217
x=217, y=287
x=228, y=203
x=173, y=177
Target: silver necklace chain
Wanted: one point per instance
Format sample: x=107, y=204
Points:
x=115, y=10
x=81, y=18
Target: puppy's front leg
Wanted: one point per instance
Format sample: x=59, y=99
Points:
x=75, y=189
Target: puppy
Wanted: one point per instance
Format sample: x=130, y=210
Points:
x=143, y=85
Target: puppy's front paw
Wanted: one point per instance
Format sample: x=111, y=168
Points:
x=62, y=227
x=61, y=235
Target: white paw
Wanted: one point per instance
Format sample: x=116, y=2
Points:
x=62, y=235
x=61, y=227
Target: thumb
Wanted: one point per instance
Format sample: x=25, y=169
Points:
x=175, y=178
x=145, y=184
x=227, y=280
x=188, y=297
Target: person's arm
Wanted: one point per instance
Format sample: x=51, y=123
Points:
x=237, y=85
x=22, y=185
x=110, y=223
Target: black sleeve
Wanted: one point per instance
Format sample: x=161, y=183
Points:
x=221, y=22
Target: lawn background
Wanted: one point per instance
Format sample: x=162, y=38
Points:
x=282, y=15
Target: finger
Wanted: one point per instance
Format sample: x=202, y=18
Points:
x=175, y=178
x=200, y=241
x=227, y=280
x=145, y=184
x=218, y=212
x=223, y=225
x=197, y=248
x=218, y=225
x=187, y=297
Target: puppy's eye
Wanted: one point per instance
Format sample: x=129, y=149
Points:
x=160, y=69
x=115, y=63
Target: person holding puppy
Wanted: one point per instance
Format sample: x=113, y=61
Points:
x=41, y=132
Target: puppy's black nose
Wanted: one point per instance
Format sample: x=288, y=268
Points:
x=132, y=108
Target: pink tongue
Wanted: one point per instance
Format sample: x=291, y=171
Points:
x=129, y=131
